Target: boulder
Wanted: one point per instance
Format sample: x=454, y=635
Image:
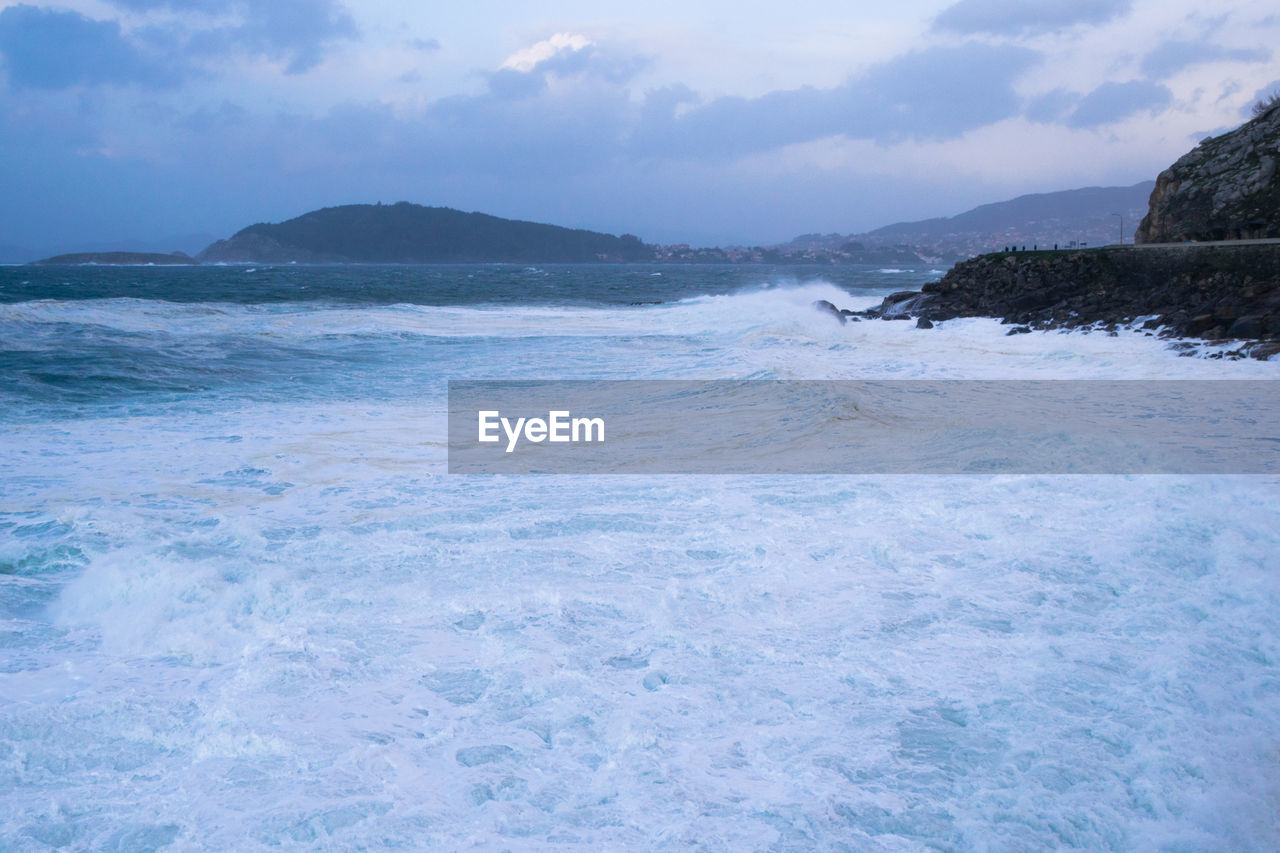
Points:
x=1251, y=326
x=827, y=308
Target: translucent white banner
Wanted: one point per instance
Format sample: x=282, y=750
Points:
x=891, y=427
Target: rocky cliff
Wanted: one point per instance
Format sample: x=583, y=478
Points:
x=1218, y=292
x=1214, y=292
x=1227, y=188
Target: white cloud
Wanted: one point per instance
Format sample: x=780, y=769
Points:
x=532, y=56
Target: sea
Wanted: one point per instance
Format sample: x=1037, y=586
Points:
x=244, y=605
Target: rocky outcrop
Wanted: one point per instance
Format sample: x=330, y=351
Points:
x=827, y=308
x=1218, y=292
x=1227, y=188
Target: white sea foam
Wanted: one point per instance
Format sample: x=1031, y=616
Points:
x=771, y=329
x=271, y=624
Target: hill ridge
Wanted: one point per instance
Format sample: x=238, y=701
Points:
x=404, y=232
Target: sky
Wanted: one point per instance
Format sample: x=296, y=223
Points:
x=710, y=123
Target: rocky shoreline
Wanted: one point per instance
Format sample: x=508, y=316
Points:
x=1219, y=293
x=1227, y=190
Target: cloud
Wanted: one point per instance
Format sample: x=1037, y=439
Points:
x=1051, y=106
x=512, y=132
x=531, y=57
x=1014, y=17
x=53, y=49
x=297, y=32
x=1112, y=102
x=56, y=49
x=559, y=134
x=936, y=93
x=939, y=93
x=563, y=55
x=1173, y=56
x=509, y=84
x=572, y=110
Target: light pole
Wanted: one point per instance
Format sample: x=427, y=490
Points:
x=1121, y=227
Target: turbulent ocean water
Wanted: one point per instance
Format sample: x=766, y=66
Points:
x=243, y=605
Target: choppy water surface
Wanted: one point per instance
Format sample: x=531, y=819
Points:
x=243, y=606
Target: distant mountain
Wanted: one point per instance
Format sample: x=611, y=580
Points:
x=1070, y=217
x=410, y=233
x=173, y=244
x=1083, y=216
x=118, y=259
x=1064, y=211
x=165, y=245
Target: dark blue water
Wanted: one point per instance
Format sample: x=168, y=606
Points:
x=101, y=338
x=445, y=284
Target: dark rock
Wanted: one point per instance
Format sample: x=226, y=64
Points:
x=1185, y=290
x=1248, y=327
x=1197, y=325
x=1262, y=350
x=824, y=305
x=1226, y=314
x=1227, y=188
x=903, y=302
x=1018, y=330
x=923, y=323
